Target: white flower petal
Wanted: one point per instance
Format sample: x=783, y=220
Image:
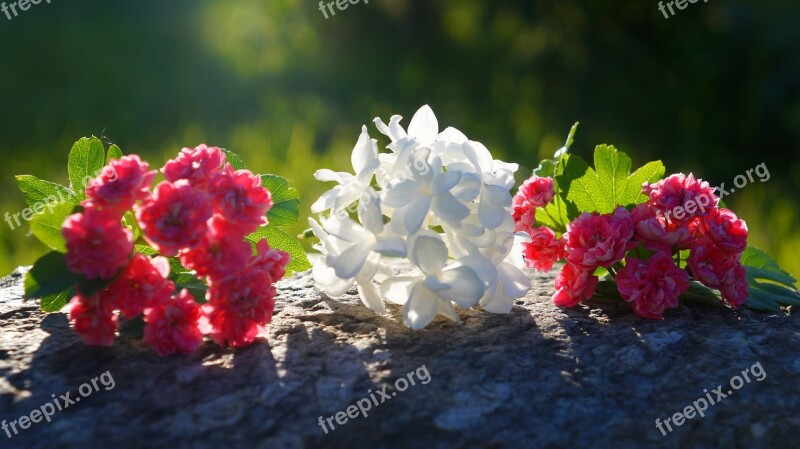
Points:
x=490, y=214
x=428, y=253
x=344, y=228
x=495, y=301
x=515, y=283
x=451, y=134
x=415, y=214
x=424, y=126
x=327, y=281
x=446, y=309
x=445, y=182
x=394, y=131
x=369, y=214
x=364, y=152
x=421, y=308
x=449, y=209
x=483, y=267
x=479, y=155
x=400, y=194
x=466, y=288
x=371, y=297
x=350, y=262
x=326, y=201
x=326, y=175
x=390, y=246
x=398, y=289
x=370, y=269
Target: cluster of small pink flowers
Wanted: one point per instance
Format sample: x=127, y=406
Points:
x=201, y=214
x=640, y=247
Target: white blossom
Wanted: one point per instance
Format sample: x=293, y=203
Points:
x=442, y=201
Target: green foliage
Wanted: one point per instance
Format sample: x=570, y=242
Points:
x=609, y=184
x=233, y=159
x=770, y=286
x=38, y=191
x=279, y=239
x=56, y=301
x=113, y=153
x=86, y=159
x=285, y=209
x=559, y=212
x=48, y=276
x=46, y=225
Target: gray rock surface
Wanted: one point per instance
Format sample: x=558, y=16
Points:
x=541, y=377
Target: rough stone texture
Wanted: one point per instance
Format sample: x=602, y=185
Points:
x=540, y=377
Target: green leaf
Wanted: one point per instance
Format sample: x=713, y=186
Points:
x=56, y=301
x=556, y=215
x=49, y=276
x=90, y=287
x=46, y=226
x=86, y=159
x=279, y=239
x=133, y=328
x=113, y=153
x=760, y=300
x=761, y=265
x=146, y=250
x=285, y=210
x=38, y=191
x=233, y=159
x=699, y=293
x=610, y=184
x=546, y=169
x=570, y=138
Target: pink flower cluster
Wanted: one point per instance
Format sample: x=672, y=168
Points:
x=200, y=214
x=640, y=247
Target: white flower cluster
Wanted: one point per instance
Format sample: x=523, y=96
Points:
x=438, y=199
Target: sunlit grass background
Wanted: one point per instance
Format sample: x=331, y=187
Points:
x=714, y=90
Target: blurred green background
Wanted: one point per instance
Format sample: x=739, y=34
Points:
x=714, y=90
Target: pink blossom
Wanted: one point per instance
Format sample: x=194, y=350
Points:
x=97, y=244
x=657, y=233
x=175, y=217
x=143, y=282
x=726, y=230
x=172, y=325
x=222, y=252
x=710, y=265
x=197, y=165
x=573, y=285
x=534, y=192
x=93, y=319
x=537, y=191
x=524, y=214
x=543, y=250
x=121, y=183
x=239, y=307
x=270, y=261
x=594, y=240
x=239, y=198
x=735, y=289
x=652, y=286
x=676, y=191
